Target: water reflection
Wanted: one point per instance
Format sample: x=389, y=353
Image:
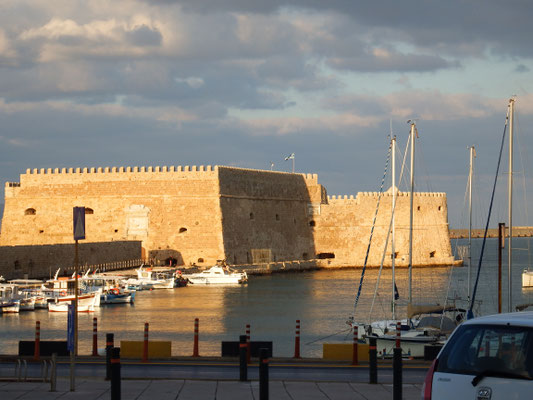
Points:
x=322, y=300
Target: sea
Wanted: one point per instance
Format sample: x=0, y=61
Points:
x=322, y=300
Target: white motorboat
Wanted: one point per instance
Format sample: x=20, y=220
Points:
x=527, y=278
x=217, y=275
x=150, y=279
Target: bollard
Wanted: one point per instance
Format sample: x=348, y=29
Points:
x=248, y=345
x=109, y=344
x=195, y=347
x=145, y=345
x=53, y=373
x=95, y=337
x=243, y=368
x=263, y=374
x=398, y=334
x=373, y=361
x=115, y=373
x=297, y=340
x=355, y=356
x=397, y=374
x=37, y=352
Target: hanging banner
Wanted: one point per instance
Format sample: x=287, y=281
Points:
x=70, y=328
x=79, y=223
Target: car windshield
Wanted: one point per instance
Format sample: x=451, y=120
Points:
x=495, y=350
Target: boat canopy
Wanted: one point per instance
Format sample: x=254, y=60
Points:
x=417, y=309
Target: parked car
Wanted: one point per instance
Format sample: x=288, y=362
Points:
x=485, y=358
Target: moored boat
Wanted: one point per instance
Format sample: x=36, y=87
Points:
x=217, y=275
x=86, y=302
x=147, y=278
x=10, y=307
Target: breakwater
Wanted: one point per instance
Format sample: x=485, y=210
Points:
x=518, y=231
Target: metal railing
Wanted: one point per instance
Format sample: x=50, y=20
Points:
x=48, y=370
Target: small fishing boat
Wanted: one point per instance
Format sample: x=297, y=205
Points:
x=27, y=304
x=10, y=307
x=86, y=302
x=113, y=288
x=217, y=275
x=9, y=298
x=118, y=296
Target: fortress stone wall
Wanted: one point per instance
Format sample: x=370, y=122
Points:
x=203, y=214
x=343, y=228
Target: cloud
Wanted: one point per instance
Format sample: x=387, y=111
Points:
x=380, y=59
x=61, y=39
x=522, y=68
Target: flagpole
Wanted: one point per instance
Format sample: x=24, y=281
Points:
x=293, y=164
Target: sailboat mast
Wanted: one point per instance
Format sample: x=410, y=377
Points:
x=393, y=256
x=510, y=189
x=470, y=176
x=412, y=134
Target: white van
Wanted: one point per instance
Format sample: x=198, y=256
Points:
x=485, y=358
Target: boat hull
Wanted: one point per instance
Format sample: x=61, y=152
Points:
x=411, y=346
x=10, y=308
x=124, y=298
x=86, y=303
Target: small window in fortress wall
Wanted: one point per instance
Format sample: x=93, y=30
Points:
x=312, y=224
x=17, y=264
x=200, y=260
x=323, y=256
x=182, y=230
x=277, y=217
x=88, y=211
x=432, y=254
x=418, y=208
x=252, y=216
x=30, y=211
x=440, y=208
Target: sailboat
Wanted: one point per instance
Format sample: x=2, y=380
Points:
x=509, y=122
x=425, y=323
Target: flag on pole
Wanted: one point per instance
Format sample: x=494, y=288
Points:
x=291, y=157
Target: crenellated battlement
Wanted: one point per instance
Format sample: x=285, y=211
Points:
x=385, y=194
x=402, y=194
x=148, y=169
x=120, y=170
x=341, y=197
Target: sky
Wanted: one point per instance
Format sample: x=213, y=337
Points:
x=246, y=83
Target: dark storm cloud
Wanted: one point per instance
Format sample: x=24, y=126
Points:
x=144, y=36
x=452, y=26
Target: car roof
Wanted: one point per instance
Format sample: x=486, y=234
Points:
x=523, y=318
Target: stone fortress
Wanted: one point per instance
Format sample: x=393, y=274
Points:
x=198, y=215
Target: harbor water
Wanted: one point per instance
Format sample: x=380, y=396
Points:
x=322, y=300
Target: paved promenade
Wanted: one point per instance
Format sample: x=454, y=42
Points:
x=91, y=389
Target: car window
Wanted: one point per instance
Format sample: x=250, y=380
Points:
x=474, y=349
